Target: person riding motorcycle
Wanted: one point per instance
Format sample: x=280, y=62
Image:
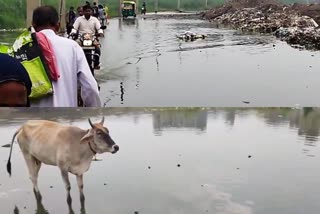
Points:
x=89, y=24
x=70, y=19
x=95, y=10
x=102, y=16
x=144, y=8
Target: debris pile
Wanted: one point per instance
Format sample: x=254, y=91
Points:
x=296, y=24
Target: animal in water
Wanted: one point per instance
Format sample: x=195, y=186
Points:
x=70, y=148
x=191, y=36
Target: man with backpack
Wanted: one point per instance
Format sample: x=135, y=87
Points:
x=71, y=64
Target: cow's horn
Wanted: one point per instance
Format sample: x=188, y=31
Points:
x=90, y=122
x=102, y=121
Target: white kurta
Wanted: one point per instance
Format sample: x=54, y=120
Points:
x=84, y=25
x=73, y=68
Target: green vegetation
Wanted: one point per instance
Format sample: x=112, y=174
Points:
x=13, y=14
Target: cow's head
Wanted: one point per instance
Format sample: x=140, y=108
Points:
x=99, y=138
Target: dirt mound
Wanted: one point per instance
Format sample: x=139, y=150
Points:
x=298, y=24
x=234, y=5
x=238, y=4
x=312, y=10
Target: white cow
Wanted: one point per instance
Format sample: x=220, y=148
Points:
x=68, y=147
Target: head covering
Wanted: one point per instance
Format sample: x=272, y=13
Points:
x=12, y=69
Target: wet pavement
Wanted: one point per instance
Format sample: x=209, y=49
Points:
x=146, y=65
x=179, y=160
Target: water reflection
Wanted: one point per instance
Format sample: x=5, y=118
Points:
x=191, y=119
x=122, y=92
x=157, y=42
x=82, y=206
x=212, y=146
x=42, y=210
x=251, y=39
x=137, y=77
x=305, y=121
x=120, y=23
x=223, y=202
x=230, y=117
x=129, y=21
x=206, y=46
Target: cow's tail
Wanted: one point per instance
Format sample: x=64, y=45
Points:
x=9, y=162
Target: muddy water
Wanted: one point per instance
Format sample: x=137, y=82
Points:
x=8, y=37
x=146, y=65
x=237, y=161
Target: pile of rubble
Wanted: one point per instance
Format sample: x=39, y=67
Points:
x=308, y=38
x=295, y=24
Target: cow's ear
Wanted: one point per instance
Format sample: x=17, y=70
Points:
x=87, y=137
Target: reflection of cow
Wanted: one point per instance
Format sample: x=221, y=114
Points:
x=68, y=147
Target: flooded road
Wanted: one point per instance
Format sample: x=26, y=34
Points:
x=235, y=161
x=146, y=65
x=8, y=37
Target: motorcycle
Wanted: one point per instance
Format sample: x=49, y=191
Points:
x=88, y=42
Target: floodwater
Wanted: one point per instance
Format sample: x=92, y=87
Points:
x=179, y=160
x=146, y=65
x=8, y=37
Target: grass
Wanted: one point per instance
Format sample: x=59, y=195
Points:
x=13, y=14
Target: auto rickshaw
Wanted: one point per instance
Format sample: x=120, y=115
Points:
x=129, y=9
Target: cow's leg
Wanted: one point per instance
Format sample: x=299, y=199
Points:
x=40, y=207
x=66, y=181
x=80, y=185
x=82, y=198
x=33, y=167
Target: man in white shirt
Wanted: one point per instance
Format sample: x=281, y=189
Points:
x=89, y=24
x=71, y=63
